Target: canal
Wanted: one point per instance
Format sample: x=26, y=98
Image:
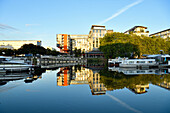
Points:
x=80, y=89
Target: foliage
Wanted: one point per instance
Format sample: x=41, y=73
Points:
x=6, y=52
x=115, y=80
x=29, y=49
x=77, y=52
x=124, y=45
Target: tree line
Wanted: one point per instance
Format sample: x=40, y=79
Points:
x=29, y=49
x=130, y=45
x=116, y=80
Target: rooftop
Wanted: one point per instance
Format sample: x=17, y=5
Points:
x=160, y=32
x=135, y=28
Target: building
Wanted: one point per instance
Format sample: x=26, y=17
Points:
x=138, y=30
x=163, y=34
x=16, y=44
x=6, y=47
x=96, y=33
x=110, y=31
x=63, y=43
x=80, y=42
x=67, y=42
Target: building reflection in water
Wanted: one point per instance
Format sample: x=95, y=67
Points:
x=73, y=75
x=81, y=75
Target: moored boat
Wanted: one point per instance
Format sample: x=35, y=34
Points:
x=138, y=63
x=8, y=64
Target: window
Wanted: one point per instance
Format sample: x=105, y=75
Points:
x=140, y=61
x=93, y=31
x=96, y=31
x=96, y=44
x=100, y=31
x=150, y=61
x=131, y=62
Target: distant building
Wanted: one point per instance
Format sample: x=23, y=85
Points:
x=16, y=44
x=6, y=47
x=138, y=30
x=80, y=42
x=63, y=42
x=68, y=42
x=96, y=33
x=163, y=34
x=110, y=31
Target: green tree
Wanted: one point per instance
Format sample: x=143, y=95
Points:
x=120, y=44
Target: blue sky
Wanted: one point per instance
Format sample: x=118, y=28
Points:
x=43, y=19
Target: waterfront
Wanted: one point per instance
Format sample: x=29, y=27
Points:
x=78, y=89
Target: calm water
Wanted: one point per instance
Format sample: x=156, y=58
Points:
x=82, y=90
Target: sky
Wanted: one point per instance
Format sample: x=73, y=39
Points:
x=43, y=19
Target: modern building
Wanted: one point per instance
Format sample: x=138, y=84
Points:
x=138, y=30
x=96, y=33
x=68, y=42
x=80, y=42
x=16, y=44
x=163, y=34
x=63, y=43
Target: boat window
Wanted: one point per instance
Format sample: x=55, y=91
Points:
x=140, y=61
x=150, y=61
x=131, y=62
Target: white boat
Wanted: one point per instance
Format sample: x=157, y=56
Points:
x=9, y=64
x=138, y=63
x=116, y=61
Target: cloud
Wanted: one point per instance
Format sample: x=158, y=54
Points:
x=121, y=11
x=7, y=27
x=124, y=104
x=27, y=25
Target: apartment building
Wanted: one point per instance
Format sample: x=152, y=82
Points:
x=163, y=34
x=96, y=33
x=68, y=42
x=63, y=42
x=138, y=30
x=16, y=44
x=80, y=42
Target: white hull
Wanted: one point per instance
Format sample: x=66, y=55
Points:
x=15, y=67
x=135, y=65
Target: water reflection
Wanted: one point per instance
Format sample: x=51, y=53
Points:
x=99, y=78
x=102, y=80
x=28, y=77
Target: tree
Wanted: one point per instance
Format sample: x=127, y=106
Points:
x=120, y=44
x=77, y=52
x=6, y=52
x=31, y=49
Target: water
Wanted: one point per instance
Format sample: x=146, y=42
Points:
x=82, y=90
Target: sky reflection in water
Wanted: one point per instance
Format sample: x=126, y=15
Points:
x=78, y=89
